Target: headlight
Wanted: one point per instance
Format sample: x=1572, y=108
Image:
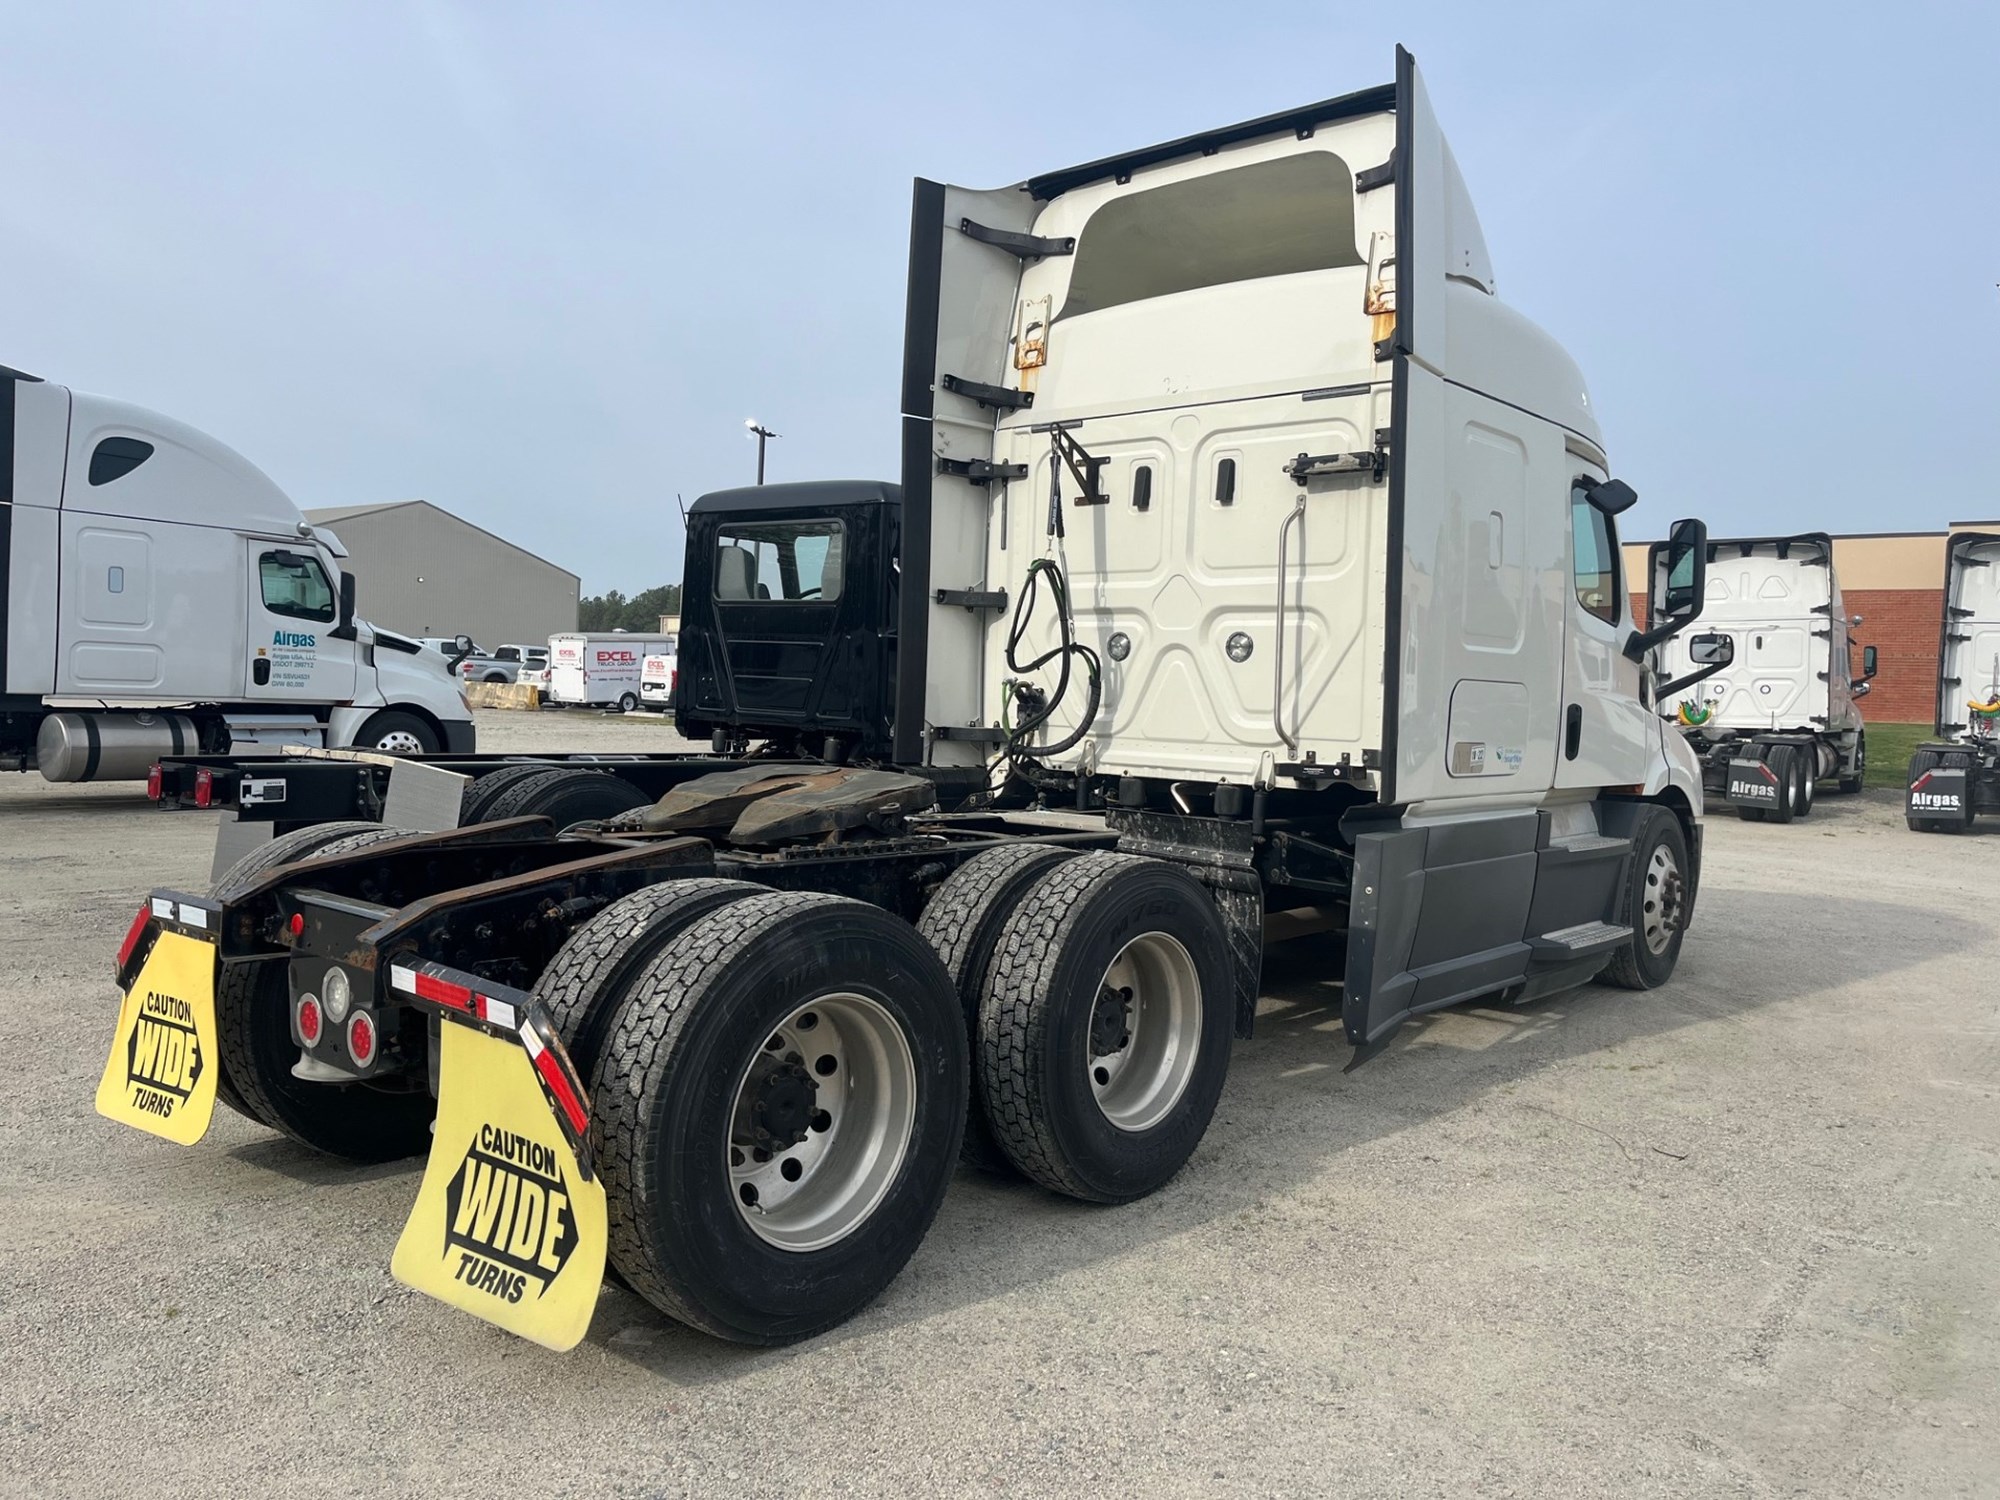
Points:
x=336, y=995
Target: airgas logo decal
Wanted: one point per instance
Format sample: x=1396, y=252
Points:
x=163, y=1060
x=294, y=638
x=508, y=1227
x=1935, y=801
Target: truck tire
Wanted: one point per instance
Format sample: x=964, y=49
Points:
x=1781, y=761
x=747, y=1248
x=585, y=984
x=1807, y=759
x=299, y=844
x=392, y=732
x=567, y=796
x=480, y=796
x=1654, y=905
x=1854, y=775
x=963, y=922
x=253, y=1028
x=1105, y=1026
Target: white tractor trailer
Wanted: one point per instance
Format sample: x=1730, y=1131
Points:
x=1955, y=777
x=1250, y=553
x=1783, y=712
x=159, y=595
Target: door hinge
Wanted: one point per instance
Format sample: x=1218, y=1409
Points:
x=1374, y=463
x=1027, y=246
x=996, y=396
x=973, y=598
x=979, y=471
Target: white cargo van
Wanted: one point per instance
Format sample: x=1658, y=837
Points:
x=593, y=670
x=160, y=595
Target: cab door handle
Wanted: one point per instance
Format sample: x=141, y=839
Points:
x=260, y=671
x=1573, y=731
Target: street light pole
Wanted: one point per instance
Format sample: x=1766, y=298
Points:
x=762, y=434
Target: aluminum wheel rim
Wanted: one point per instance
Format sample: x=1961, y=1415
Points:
x=1153, y=981
x=1660, y=901
x=808, y=1193
x=399, y=742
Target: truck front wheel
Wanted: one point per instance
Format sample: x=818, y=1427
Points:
x=392, y=732
x=1655, y=904
x=1105, y=1026
x=778, y=1105
x=1855, y=774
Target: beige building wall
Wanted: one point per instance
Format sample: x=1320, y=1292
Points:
x=423, y=571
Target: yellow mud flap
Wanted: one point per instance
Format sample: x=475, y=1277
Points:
x=509, y=1224
x=164, y=1063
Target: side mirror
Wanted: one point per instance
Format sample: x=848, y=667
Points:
x=1712, y=650
x=1612, y=496
x=344, y=630
x=1679, y=587
x=461, y=647
x=1867, y=662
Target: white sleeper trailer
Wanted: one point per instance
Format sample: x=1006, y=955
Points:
x=599, y=670
x=1249, y=554
x=1784, y=712
x=1956, y=777
x=159, y=596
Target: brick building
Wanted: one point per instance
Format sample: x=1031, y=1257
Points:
x=1894, y=580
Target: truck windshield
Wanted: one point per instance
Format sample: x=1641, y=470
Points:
x=1272, y=219
x=779, y=561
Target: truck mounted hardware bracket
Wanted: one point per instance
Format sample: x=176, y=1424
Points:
x=1027, y=246
x=1374, y=464
x=996, y=396
x=1079, y=462
x=973, y=598
x=979, y=470
x=1370, y=178
x=975, y=734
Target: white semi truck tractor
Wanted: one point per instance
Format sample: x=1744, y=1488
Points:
x=1956, y=777
x=1783, y=712
x=1249, y=554
x=159, y=595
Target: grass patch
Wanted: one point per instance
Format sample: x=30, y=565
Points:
x=1889, y=749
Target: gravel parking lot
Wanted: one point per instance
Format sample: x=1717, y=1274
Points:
x=1734, y=1237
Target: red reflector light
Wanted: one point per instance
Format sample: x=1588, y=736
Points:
x=443, y=992
x=309, y=1021
x=204, y=788
x=133, y=934
x=361, y=1038
x=297, y=925
x=153, y=779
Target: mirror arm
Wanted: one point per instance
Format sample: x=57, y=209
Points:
x=1639, y=642
x=1681, y=684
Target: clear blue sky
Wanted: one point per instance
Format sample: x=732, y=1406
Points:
x=536, y=263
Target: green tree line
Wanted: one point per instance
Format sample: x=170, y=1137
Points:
x=613, y=611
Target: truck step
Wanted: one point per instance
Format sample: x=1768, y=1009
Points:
x=1581, y=941
x=1589, y=843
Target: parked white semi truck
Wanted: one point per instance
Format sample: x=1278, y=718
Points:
x=1249, y=554
x=1784, y=712
x=159, y=595
x=1956, y=777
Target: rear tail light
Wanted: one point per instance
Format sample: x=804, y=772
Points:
x=154, y=776
x=361, y=1038
x=310, y=1020
x=674, y=680
x=133, y=933
x=204, y=788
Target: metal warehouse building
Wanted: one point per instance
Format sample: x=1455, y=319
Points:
x=423, y=571
x=1894, y=580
